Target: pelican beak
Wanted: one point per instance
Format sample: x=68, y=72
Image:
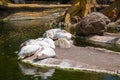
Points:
x=20, y=57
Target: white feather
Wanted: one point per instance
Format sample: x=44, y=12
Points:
x=50, y=41
x=48, y=52
x=63, y=34
x=28, y=50
x=39, y=39
x=50, y=33
x=63, y=43
x=44, y=44
x=29, y=42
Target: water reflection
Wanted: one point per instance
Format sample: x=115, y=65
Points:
x=109, y=77
x=45, y=74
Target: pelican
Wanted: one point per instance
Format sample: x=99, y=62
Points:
x=39, y=39
x=28, y=42
x=31, y=42
x=63, y=43
x=28, y=50
x=44, y=42
x=50, y=33
x=50, y=41
x=47, y=42
x=63, y=34
x=57, y=33
x=45, y=53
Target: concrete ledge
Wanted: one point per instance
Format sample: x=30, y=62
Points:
x=67, y=67
x=80, y=58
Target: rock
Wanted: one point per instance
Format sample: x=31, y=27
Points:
x=113, y=27
x=118, y=71
x=80, y=58
x=118, y=43
x=75, y=19
x=102, y=40
x=65, y=64
x=93, y=23
x=19, y=1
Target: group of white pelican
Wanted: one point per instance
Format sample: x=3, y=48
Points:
x=44, y=47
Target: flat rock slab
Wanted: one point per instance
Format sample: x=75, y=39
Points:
x=81, y=58
x=102, y=40
x=118, y=42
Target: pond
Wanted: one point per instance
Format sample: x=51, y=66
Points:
x=12, y=34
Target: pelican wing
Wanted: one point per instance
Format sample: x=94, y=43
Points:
x=45, y=53
x=28, y=50
x=50, y=41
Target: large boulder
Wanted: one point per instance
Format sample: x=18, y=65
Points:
x=93, y=23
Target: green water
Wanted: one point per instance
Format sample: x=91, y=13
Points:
x=12, y=34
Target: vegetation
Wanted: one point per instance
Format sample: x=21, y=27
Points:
x=3, y=2
x=82, y=7
x=113, y=10
x=79, y=8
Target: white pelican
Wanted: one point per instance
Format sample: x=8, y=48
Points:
x=44, y=42
x=45, y=53
x=57, y=33
x=28, y=50
x=28, y=42
x=39, y=39
x=50, y=41
x=63, y=43
x=63, y=34
x=50, y=33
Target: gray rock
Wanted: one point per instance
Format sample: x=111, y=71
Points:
x=118, y=43
x=93, y=23
x=102, y=40
x=118, y=71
